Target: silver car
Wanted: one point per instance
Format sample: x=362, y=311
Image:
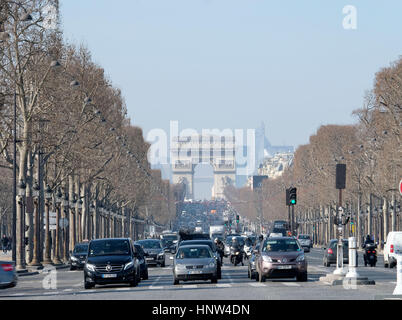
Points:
x=305, y=242
x=194, y=262
x=8, y=275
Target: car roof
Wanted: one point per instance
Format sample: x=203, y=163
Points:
x=106, y=239
x=281, y=238
x=196, y=246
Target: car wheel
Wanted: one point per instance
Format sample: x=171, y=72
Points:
x=134, y=282
x=214, y=280
x=88, y=285
x=145, y=277
x=72, y=268
x=386, y=265
x=175, y=282
x=302, y=277
x=163, y=264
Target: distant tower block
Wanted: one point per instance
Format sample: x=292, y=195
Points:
x=218, y=151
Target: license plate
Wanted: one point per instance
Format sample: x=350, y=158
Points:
x=149, y=259
x=109, y=275
x=284, y=267
x=195, y=272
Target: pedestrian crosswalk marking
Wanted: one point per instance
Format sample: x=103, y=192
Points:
x=155, y=288
x=223, y=285
x=291, y=284
x=257, y=284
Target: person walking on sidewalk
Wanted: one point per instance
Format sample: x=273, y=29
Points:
x=5, y=242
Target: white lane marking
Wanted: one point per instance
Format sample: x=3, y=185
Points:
x=67, y=290
x=156, y=281
x=87, y=291
x=223, y=285
x=291, y=284
x=122, y=289
x=257, y=284
x=190, y=286
x=155, y=288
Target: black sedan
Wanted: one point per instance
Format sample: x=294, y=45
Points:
x=154, y=250
x=142, y=261
x=78, y=256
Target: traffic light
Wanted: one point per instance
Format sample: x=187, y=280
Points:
x=292, y=196
x=237, y=218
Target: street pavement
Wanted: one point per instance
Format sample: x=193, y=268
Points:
x=64, y=284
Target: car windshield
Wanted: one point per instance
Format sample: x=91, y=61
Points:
x=150, y=244
x=109, y=247
x=194, y=253
x=170, y=237
x=82, y=248
x=279, y=230
x=302, y=236
x=281, y=245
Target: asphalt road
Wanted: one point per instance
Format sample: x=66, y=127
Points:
x=234, y=285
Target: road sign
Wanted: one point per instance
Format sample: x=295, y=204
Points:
x=400, y=187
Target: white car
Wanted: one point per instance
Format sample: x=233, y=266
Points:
x=392, y=246
x=305, y=242
x=274, y=235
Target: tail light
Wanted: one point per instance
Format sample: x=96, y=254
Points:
x=392, y=248
x=330, y=251
x=7, y=267
x=373, y=251
x=368, y=251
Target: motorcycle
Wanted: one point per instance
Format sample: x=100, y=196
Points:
x=236, y=256
x=370, y=255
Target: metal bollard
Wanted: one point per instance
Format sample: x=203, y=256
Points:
x=398, y=288
x=352, y=258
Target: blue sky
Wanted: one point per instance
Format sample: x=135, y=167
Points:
x=234, y=63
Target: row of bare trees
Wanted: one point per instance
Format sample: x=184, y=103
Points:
x=77, y=154
x=372, y=151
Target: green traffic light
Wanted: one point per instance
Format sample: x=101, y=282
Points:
x=293, y=201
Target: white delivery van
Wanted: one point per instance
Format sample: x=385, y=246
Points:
x=393, y=243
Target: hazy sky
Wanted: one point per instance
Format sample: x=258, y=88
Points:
x=235, y=63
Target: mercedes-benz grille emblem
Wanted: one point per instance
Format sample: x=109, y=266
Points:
x=284, y=260
x=108, y=268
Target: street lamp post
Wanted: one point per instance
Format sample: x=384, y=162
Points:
x=56, y=257
x=36, y=254
x=19, y=227
x=48, y=198
x=64, y=219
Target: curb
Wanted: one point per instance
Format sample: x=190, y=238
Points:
x=32, y=272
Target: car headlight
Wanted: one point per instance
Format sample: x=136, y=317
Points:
x=266, y=258
x=161, y=253
x=74, y=258
x=90, y=267
x=180, y=266
x=300, y=258
x=128, y=265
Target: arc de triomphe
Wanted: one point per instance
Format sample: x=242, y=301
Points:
x=218, y=151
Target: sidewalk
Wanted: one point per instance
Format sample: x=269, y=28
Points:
x=30, y=271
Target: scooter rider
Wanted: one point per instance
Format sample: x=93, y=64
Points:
x=237, y=248
x=220, y=247
x=366, y=245
x=368, y=241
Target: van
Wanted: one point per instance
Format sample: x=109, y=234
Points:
x=392, y=245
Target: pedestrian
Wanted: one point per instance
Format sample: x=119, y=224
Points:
x=5, y=242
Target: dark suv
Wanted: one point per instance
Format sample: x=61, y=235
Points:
x=78, y=255
x=111, y=261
